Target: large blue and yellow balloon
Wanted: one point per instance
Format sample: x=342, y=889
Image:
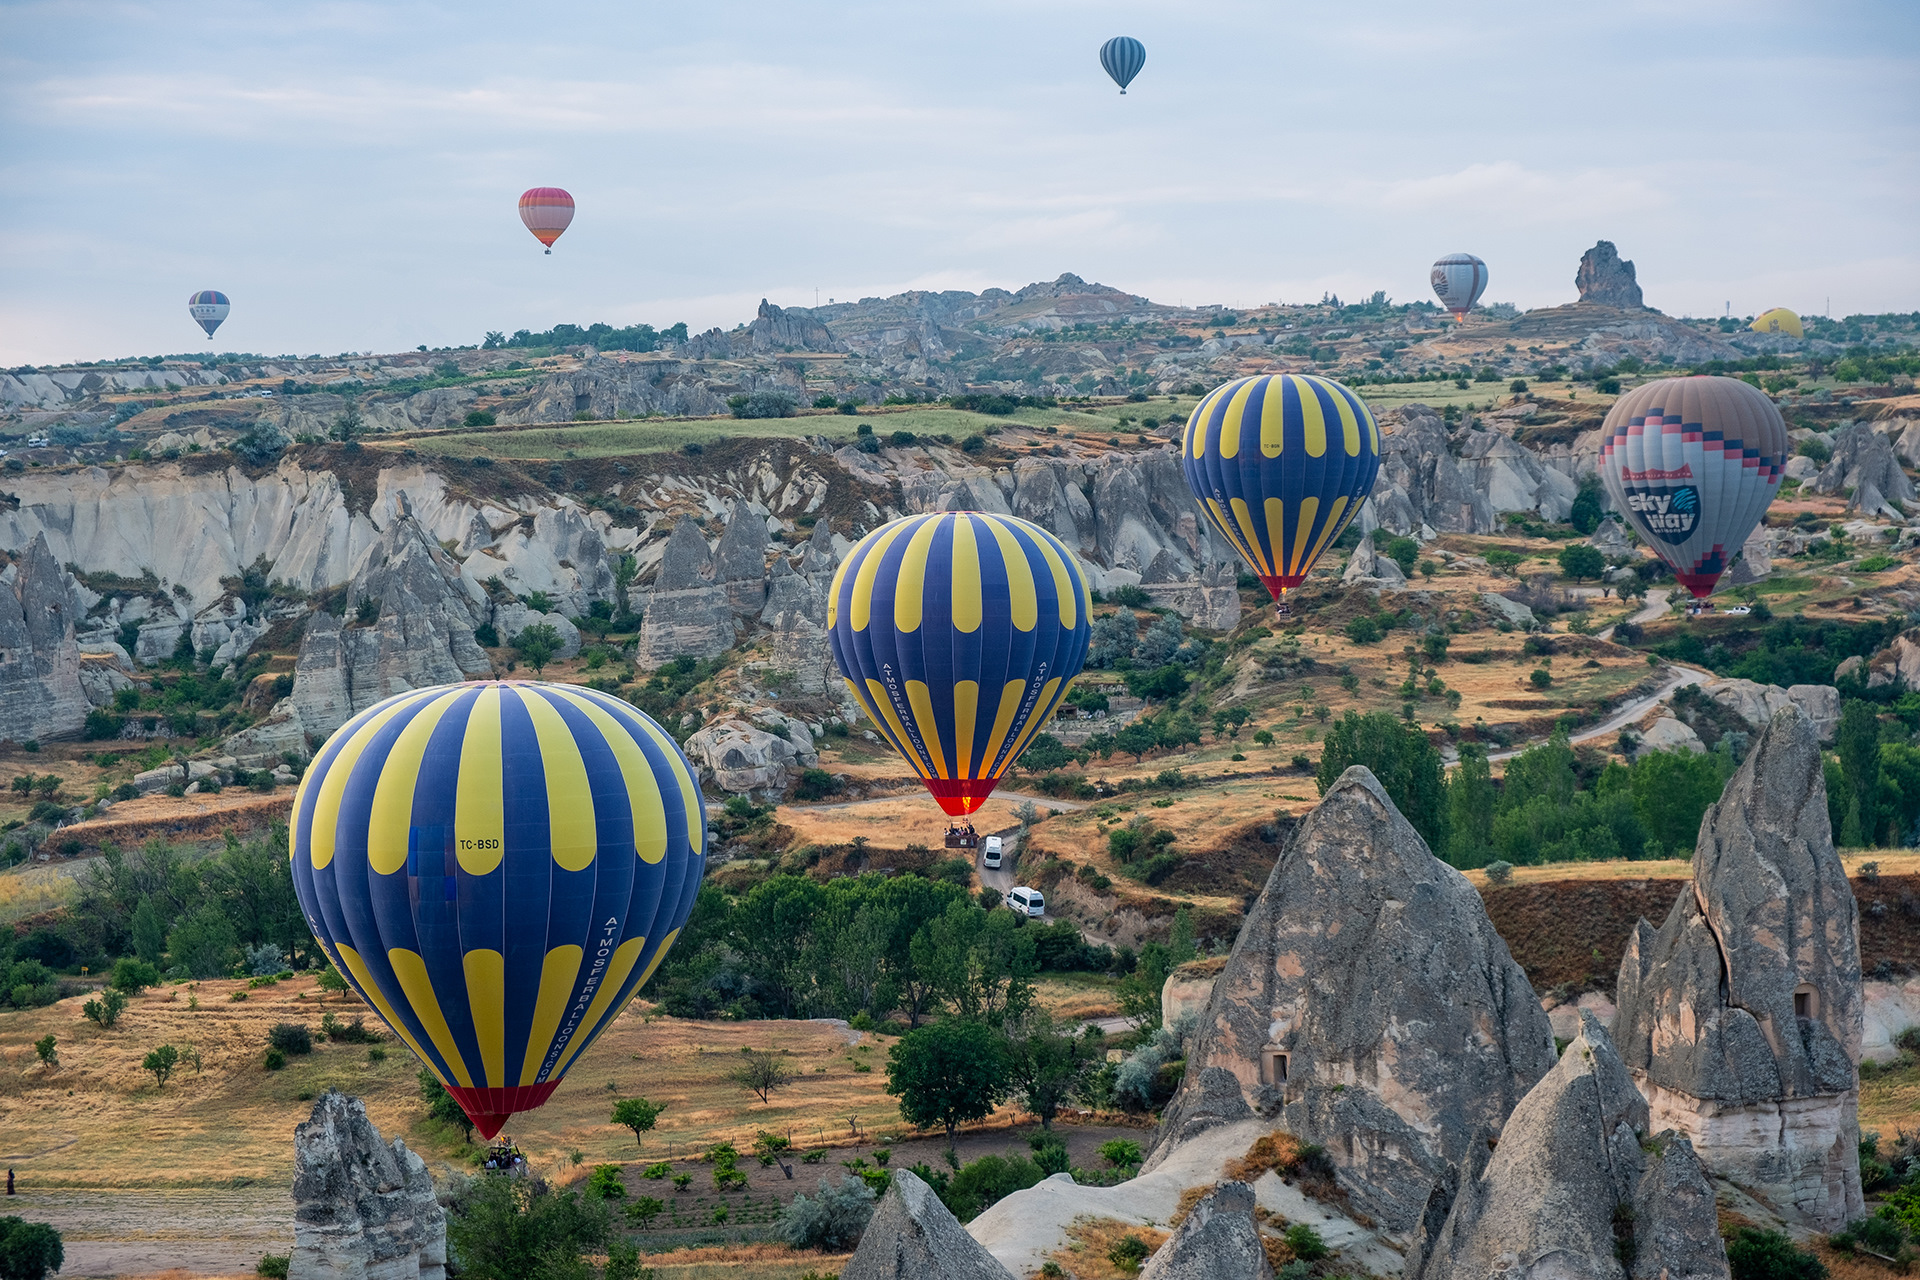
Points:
x=958, y=634
x=1280, y=465
x=497, y=867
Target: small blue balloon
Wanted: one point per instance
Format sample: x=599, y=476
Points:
x=1123, y=56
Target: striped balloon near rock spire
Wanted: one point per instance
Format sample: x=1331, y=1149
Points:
x=497, y=867
x=958, y=634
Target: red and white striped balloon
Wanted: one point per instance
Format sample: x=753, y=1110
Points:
x=547, y=211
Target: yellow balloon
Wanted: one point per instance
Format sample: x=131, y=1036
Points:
x=1778, y=320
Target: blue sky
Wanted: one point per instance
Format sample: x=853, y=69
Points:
x=348, y=172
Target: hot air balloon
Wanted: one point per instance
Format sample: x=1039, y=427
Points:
x=1123, y=56
x=1778, y=320
x=497, y=867
x=1459, y=279
x=1280, y=464
x=547, y=211
x=959, y=633
x=208, y=308
x=1692, y=463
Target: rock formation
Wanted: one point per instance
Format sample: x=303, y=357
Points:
x=1366, y=567
x=737, y=757
x=1574, y=1191
x=912, y=1236
x=1606, y=279
x=1864, y=462
x=40, y=691
x=1217, y=1239
x=740, y=561
x=1438, y=482
x=1610, y=538
x=1370, y=1007
x=1757, y=704
x=687, y=614
x=1740, y=1018
x=363, y=1210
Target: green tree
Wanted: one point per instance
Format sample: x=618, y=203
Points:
x=761, y=1071
x=105, y=1011
x=29, y=1250
x=1585, y=516
x=1403, y=552
x=1047, y=1066
x=981, y=962
x=537, y=645
x=49, y=1055
x=348, y=422
x=637, y=1114
x=1858, y=744
x=1470, y=805
x=523, y=1229
x=947, y=1073
x=1405, y=763
x=161, y=1063
x=331, y=980
x=205, y=942
x=441, y=1105
x=1671, y=790
x=149, y=935
x=1580, y=561
x=134, y=976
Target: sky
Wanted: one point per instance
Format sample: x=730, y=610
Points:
x=348, y=173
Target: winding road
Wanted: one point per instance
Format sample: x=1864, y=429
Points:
x=1681, y=677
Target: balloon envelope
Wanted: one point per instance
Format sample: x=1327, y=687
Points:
x=959, y=633
x=1280, y=464
x=208, y=308
x=1692, y=463
x=1123, y=56
x=547, y=211
x=1778, y=320
x=1459, y=279
x=497, y=866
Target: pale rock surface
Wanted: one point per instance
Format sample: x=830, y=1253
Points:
x=266, y=742
x=1366, y=567
x=1565, y=1018
x=1897, y=664
x=1668, y=732
x=1511, y=611
x=1754, y=703
x=1801, y=468
x=1741, y=1017
x=1216, y=1240
x=1368, y=1006
x=687, y=615
x=1610, y=538
x=1210, y=600
x=41, y=695
x=1606, y=278
x=740, y=758
x=1570, y=1188
x=740, y=561
x=510, y=618
x=912, y=1236
x=363, y=1209
x=1888, y=1009
x=1863, y=460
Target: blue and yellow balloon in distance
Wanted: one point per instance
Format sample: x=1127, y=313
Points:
x=959, y=633
x=1280, y=464
x=497, y=867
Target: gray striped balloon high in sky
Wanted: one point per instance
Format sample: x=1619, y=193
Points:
x=1123, y=56
x=1459, y=279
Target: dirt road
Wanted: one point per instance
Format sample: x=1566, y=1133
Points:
x=118, y=1233
x=1626, y=715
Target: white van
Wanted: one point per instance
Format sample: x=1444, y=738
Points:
x=990, y=853
x=1028, y=902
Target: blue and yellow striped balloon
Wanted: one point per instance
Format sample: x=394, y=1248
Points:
x=497, y=867
x=959, y=634
x=1280, y=464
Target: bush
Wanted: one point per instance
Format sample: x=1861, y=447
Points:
x=831, y=1220
x=1305, y=1242
x=478, y=418
x=1754, y=1254
x=29, y=1250
x=290, y=1037
x=973, y=444
x=987, y=1181
x=1499, y=872
x=275, y=1060
x=274, y=1266
x=105, y=1011
x=824, y=400
x=1363, y=630
x=1120, y=1152
x=604, y=1183
x=134, y=976
x=815, y=784
x=1128, y=1253
x=763, y=404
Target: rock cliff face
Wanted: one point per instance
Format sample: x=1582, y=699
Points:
x=1217, y=1239
x=40, y=691
x=912, y=1236
x=363, y=1210
x=1570, y=1193
x=1864, y=461
x=1370, y=1006
x=1741, y=1017
x=687, y=615
x=773, y=330
x=1606, y=279
x=1426, y=487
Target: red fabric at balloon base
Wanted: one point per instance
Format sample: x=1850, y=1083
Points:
x=489, y=1108
x=1701, y=584
x=1279, y=582
x=961, y=796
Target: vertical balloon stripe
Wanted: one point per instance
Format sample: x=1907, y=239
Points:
x=479, y=822
x=1329, y=530
x=922, y=703
x=1276, y=514
x=902, y=739
x=966, y=705
x=618, y=968
x=636, y=775
x=333, y=781
x=1350, y=410
x=486, y=1005
x=1002, y=724
x=1313, y=418
x=1036, y=717
x=911, y=586
x=1252, y=536
x=869, y=569
x=1023, y=598
x=1063, y=584
x=1273, y=422
x=557, y=971
x=665, y=756
x=364, y=982
x=968, y=600
x=1230, y=423
x=570, y=817
x=391, y=817
x=412, y=974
